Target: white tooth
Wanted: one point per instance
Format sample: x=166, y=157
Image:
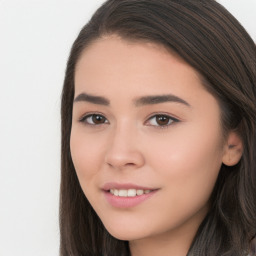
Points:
x=115, y=192
x=131, y=192
x=112, y=191
x=139, y=192
x=147, y=191
x=123, y=192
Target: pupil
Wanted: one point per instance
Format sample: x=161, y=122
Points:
x=162, y=120
x=98, y=119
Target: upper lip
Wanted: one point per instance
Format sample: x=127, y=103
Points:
x=115, y=185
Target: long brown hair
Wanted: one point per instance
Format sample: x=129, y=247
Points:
x=211, y=40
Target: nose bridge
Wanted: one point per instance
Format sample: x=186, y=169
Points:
x=123, y=149
x=124, y=132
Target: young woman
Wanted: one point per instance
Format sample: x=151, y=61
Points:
x=158, y=133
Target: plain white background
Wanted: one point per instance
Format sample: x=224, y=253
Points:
x=35, y=39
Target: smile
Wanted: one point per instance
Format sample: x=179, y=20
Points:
x=126, y=195
x=129, y=192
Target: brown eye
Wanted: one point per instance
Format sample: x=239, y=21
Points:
x=94, y=119
x=161, y=121
x=98, y=119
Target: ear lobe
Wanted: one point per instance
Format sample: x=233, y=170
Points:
x=233, y=149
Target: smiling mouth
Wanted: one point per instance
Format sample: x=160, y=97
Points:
x=125, y=195
x=126, y=198
x=129, y=192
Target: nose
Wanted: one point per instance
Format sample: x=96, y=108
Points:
x=124, y=150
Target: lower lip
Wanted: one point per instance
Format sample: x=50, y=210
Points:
x=126, y=202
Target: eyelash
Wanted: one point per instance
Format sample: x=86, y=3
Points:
x=171, y=119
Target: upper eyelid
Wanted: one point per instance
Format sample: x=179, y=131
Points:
x=86, y=115
x=163, y=114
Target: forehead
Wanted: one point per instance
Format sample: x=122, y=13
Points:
x=117, y=44
x=117, y=60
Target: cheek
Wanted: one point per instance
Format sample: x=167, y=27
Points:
x=86, y=155
x=186, y=146
x=189, y=163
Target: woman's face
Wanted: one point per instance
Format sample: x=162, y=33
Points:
x=146, y=139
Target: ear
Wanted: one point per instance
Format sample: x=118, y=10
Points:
x=233, y=149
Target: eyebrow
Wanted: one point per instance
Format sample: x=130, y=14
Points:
x=157, y=99
x=92, y=99
x=141, y=101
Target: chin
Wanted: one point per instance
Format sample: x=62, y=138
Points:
x=126, y=234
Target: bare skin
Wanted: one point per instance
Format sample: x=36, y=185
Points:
x=173, y=145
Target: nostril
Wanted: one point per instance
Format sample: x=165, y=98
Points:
x=130, y=164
